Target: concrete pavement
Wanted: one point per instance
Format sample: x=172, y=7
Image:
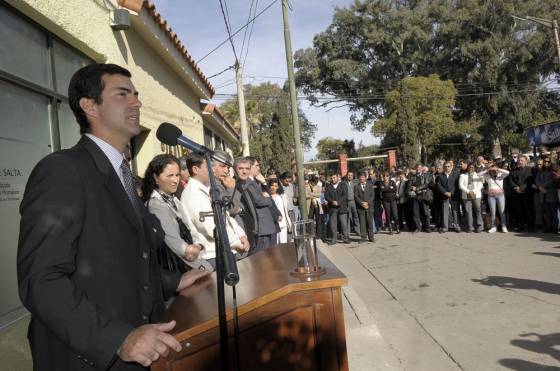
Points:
x=452, y=301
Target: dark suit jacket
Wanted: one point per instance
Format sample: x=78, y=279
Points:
x=265, y=208
x=367, y=195
x=338, y=194
x=87, y=267
x=446, y=183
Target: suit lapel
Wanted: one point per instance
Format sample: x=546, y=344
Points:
x=112, y=181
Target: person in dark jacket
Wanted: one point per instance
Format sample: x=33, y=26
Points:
x=522, y=182
x=388, y=191
x=87, y=267
x=364, y=196
x=336, y=195
x=418, y=189
x=447, y=186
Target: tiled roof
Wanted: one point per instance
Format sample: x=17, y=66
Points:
x=138, y=5
x=211, y=108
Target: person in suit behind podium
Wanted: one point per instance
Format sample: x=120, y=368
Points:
x=256, y=208
x=364, y=195
x=87, y=268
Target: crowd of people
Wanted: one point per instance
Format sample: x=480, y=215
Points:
x=484, y=195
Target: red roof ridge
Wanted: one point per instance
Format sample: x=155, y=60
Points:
x=138, y=5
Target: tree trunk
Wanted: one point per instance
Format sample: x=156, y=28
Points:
x=496, y=148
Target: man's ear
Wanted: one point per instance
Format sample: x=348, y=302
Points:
x=88, y=106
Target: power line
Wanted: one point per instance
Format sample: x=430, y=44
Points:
x=227, y=27
x=236, y=32
x=224, y=70
x=250, y=34
x=245, y=32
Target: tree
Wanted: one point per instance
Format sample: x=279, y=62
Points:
x=270, y=129
x=418, y=115
x=329, y=148
x=498, y=66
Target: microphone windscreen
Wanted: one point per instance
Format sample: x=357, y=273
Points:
x=168, y=133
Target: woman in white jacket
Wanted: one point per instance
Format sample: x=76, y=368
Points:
x=470, y=184
x=494, y=177
x=277, y=194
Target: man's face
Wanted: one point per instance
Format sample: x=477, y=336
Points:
x=350, y=176
x=480, y=160
x=522, y=162
x=185, y=175
x=243, y=170
x=439, y=169
x=419, y=169
x=201, y=173
x=362, y=178
x=255, y=169
x=334, y=179
x=372, y=175
x=447, y=167
x=118, y=114
x=464, y=165
x=285, y=182
x=220, y=169
x=540, y=164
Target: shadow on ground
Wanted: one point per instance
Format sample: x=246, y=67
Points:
x=555, y=254
x=520, y=283
x=542, y=344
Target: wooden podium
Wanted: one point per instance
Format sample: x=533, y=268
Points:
x=285, y=322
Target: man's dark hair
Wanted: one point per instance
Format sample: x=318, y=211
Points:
x=362, y=173
x=252, y=159
x=194, y=159
x=285, y=175
x=183, y=162
x=87, y=82
x=155, y=167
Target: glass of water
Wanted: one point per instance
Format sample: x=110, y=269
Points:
x=306, y=247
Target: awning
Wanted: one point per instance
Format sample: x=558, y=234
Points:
x=547, y=134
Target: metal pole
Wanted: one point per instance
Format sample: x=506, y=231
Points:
x=241, y=104
x=555, y=28
x=295, y=118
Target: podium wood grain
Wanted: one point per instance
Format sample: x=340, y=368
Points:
x=285, y=322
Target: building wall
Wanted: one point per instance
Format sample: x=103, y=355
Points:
x=85, y=24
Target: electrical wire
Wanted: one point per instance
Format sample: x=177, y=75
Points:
x=236, y=32
x=246, y=28
x=250, y=34
x=224, y=70
x=227, y=28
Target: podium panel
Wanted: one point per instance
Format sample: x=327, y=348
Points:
x=285, y=322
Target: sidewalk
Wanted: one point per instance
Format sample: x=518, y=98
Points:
x=402, y=343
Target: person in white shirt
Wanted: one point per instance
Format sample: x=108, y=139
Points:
x=196, y=199
x=471, y=184
x=279, y=198
x=494, y=177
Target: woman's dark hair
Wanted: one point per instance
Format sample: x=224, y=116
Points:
x=277, y=182
x=155, y=167
x=87, y=82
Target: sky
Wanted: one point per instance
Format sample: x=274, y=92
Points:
x=200, y=26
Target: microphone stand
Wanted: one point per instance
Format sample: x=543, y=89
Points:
x=226, y=265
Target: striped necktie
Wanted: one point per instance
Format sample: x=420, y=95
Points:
x=129, y=188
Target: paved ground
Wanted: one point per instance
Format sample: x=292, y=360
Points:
x=452, y=302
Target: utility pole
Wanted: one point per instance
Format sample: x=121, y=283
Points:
x=547, y=23
x=295, y=119
x=241, y=104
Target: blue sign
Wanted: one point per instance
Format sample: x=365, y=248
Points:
x=544, y=134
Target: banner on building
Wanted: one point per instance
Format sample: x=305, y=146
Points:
x=547, y=134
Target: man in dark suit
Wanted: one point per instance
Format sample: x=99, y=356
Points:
x=257, y=208
x=418, y=188
x=87, y=266
x=446, y=186
x=336, y=195
x=364, y=196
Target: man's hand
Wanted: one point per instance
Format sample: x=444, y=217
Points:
x=265, y=194
x=228, y=182
x=413, y=188
x=192, y=251
x=334, y=203
x=260, y=178
x=244, y=245
x=190, y=277
x=147, y=343
x=447, y=194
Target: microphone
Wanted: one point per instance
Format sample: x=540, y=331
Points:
x=171, y=135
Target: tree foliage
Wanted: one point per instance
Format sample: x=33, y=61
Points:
x=418, y=115
x=498, y=65
x=269, y=121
